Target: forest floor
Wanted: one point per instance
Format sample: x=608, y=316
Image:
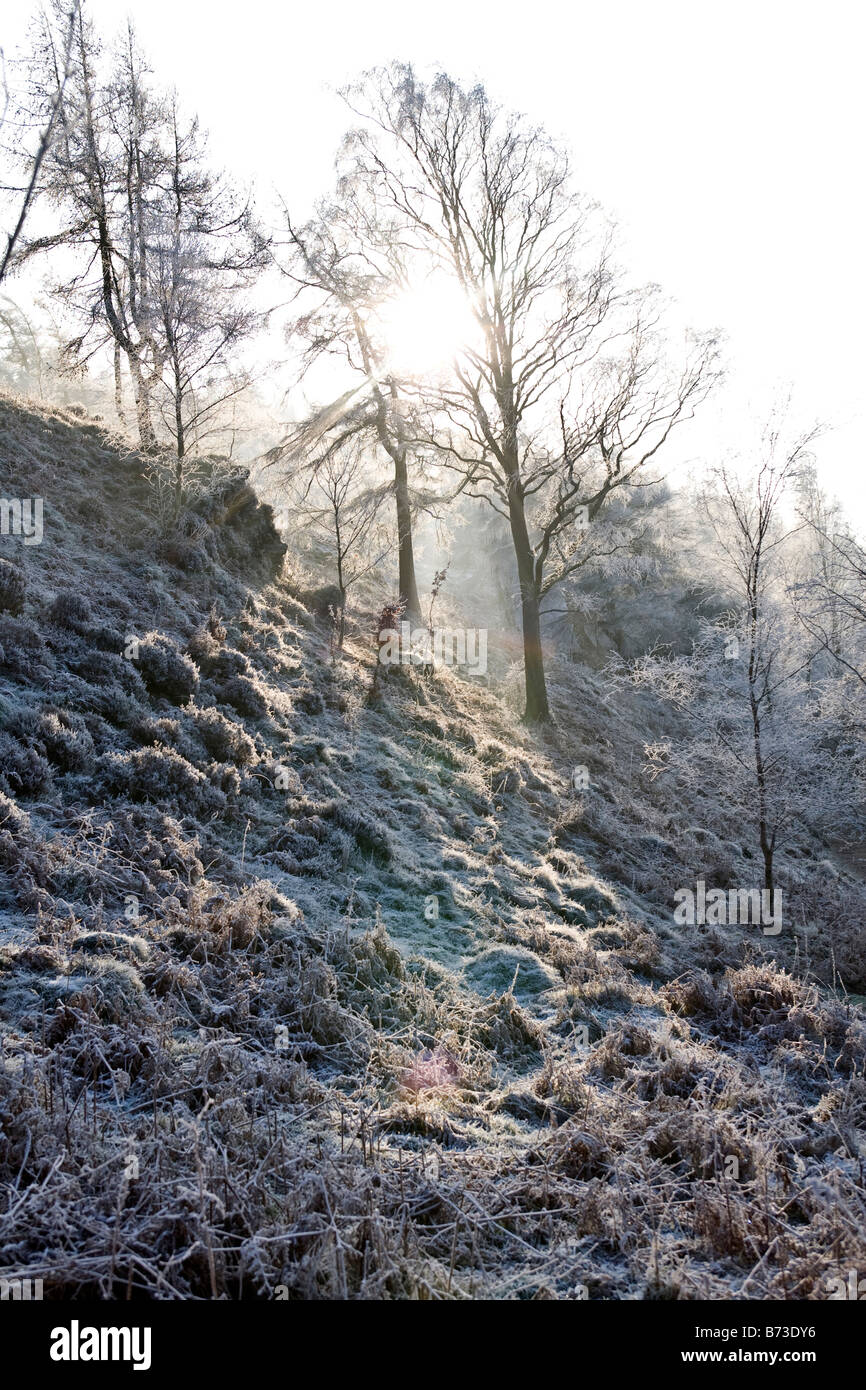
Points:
x=317, y=980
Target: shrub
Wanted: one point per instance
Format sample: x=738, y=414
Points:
x=212, y=925
x=108, y=670
x=160, y=775
x=23, y=769
x=153, y=843
x=165, y=669
x=230, y=662
x=369, y=834
x=151, y=731
x=204, y=649
x=13, y=588
x=24, y=650
x=112, y=989
x=493, y=753
x=239, y=920
x=226, y=741
x=71, y=611
x=246, y=696
x=309, y=701
x=763, y=994
x=225, y=777
x=323, y=601
x=185, y=554
x=106, y=638
x=65, y=739
x=13, y=821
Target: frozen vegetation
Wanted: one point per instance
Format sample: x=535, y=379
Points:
x=324, y=979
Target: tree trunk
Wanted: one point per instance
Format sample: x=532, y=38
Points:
x=767, y=851
x=178, y=484
x=341, y=582
x=405, y=551
x=180, y=440
x=767, y=842
x=146, y=435
x=537, y=707
x=118, y=387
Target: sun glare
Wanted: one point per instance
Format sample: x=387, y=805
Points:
x=427, y=326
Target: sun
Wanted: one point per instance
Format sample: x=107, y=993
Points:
x=426, y=327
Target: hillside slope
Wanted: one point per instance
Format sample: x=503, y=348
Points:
x=318, y=983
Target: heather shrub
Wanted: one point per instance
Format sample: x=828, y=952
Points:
x=14, y=822
x=226, y=741
x=245, y=695
x=369, y=834
x=23, y=769
x=185, y=553
x=225, y=777
x=230, y=662
x=13, y=588
x=309, y=701
x=204, y=649
x=106, y=637
x=160, y=775
x=65, y=738
x=110, y=671
x=23, y=646
x=216, y=627
x=323, y=601
x=110, y=704
x=166, y=671
x=71, y=611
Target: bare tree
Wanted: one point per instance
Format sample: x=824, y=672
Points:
x=21, y=354
x=204, y=256
x=68, y=13
x=745, y=516
x=349, y=262
x=165, y=249
x=340, y=497
x=565, y=396
x=830, y=602
x=98, y=174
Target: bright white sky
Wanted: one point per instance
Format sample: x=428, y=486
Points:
x=725, y=137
